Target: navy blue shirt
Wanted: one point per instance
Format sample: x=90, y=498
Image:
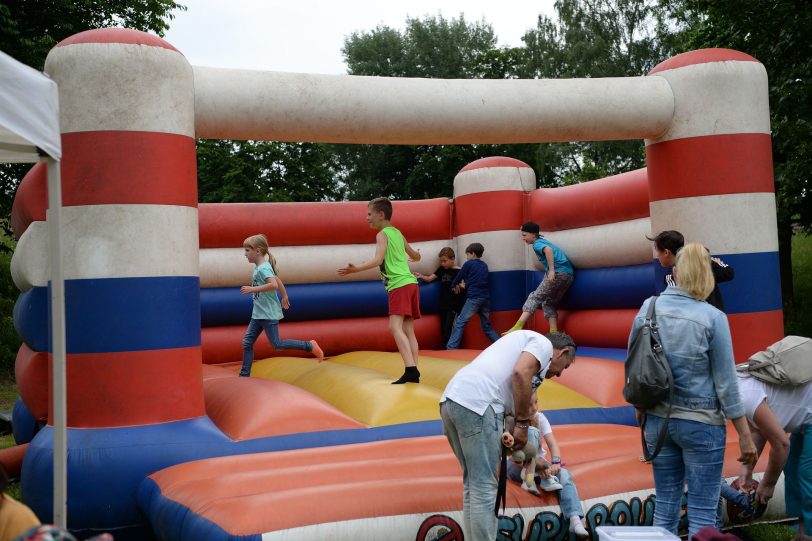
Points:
x=475, y=274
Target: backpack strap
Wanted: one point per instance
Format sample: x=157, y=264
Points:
x=651, y=323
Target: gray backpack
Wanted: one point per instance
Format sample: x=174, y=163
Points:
x=787, y=362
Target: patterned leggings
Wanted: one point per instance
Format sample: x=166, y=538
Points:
x=549, y=294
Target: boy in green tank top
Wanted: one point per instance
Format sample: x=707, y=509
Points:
x=391, y=250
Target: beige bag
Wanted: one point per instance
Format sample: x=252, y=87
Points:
x=787, y=362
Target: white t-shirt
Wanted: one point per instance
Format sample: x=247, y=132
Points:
x=487, y=380
x=544, y=429
x=792, y=406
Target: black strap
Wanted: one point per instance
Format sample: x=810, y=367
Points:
x=501, y=491
x=651, y=322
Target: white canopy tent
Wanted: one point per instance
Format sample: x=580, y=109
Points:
x=29, y=132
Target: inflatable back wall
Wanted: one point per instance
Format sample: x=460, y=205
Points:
x=152, y=278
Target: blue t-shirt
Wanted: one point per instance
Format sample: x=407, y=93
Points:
x=475, y=274
x=266, y=303
x=562, y=264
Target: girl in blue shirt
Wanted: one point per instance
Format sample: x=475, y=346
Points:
x=267, y=309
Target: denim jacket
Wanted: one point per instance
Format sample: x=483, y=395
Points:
x=696, y=341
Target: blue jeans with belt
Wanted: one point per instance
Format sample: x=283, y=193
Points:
x=475, y=440
x=271, y=328
x=692, y=453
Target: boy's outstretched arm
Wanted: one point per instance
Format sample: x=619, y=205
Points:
x=426, y=278
x=380, y=253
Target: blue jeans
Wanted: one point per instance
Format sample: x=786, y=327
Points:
x=271, y=328
x=570, y=502
x=471, y=307
x=798, y=478
x=692, y=453
x=475, y=440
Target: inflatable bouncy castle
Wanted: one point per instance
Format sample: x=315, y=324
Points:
x=164, y=440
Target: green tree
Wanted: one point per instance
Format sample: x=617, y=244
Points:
x=253, y=171
x=776, y=32
x=28, y=29
x=594, y=38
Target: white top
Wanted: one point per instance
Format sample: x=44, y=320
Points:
x=544, y=429
x=487, y=380
x=792, y=405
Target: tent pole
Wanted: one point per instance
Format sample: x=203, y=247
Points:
x=58, y=347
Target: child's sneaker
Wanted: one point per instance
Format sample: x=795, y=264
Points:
x=531, y=488
x=550, y=484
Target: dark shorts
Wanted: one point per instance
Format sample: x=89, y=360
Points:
x=405, y=301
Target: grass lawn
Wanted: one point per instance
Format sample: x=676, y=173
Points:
x=799, y=322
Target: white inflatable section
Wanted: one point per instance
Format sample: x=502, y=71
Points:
x=98, y=243
x=717, y=98
x=707, y=219
x=123, y=94
x=492, y=179
x=275, y=106
x=227, y=267
x=607, y=245
x=403, y=527
x=504, y=250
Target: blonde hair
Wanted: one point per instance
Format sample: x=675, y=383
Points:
x=693, y=271
x=260, y=243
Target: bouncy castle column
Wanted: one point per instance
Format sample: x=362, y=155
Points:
x=711, y=178
x=490, y=205
x=131, y=230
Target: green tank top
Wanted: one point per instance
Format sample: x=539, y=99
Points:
x=395, y=270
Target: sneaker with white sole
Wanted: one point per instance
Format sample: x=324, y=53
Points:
x=550, y=484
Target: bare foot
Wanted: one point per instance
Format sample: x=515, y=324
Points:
x=317, y=350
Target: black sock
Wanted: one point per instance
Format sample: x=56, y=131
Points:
x=410, y=375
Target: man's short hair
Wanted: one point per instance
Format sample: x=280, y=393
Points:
x=562, y=340
x=475, y=248
x=668, y=240
x=382, y=204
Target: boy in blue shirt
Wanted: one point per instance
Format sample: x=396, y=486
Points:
x=473, y=276
x=558, y=278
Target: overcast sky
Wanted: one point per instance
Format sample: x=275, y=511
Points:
x=307, y=35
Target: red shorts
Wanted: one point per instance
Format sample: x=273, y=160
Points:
x=405, y=301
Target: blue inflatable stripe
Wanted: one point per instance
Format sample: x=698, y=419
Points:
x=172, y=520
x=613, y=354
x=309, y=302
x=23, y=425
x=756, y=286
x=116, y=314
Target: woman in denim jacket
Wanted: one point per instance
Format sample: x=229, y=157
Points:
x=696, y=341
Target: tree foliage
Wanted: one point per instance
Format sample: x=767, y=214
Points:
x=29, y=29
x=251, y=171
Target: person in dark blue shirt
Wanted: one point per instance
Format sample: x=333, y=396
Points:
x=473, y=276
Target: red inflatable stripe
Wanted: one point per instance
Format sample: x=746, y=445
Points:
x=33, y=381
x=226, y=225
x=31, y=199
x=489, y=211
x=702, y=56
x=116, y=35
x=133, y=388
x=710, y=165
x=494, y=161
x=160, y=168
x=608, y=200
x=754, y=332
